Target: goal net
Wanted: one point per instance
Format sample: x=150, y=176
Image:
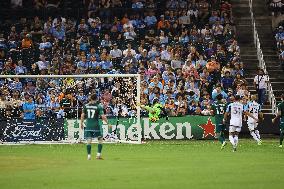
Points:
x=50, y=108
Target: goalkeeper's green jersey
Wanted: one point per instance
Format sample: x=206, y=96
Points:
x=154, y=111
x=93, y=112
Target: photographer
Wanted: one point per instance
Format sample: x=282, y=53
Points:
x=260, y=83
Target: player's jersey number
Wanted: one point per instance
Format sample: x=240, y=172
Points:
x=91, y=113
x=237, y=110
x=220, y=110
x=253, y=110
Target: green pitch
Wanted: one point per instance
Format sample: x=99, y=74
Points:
x=162, y=165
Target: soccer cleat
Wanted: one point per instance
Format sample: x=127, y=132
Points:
x=99, y=158
x=223, y=145
x=259, y=143
x=280, y=146
x=89, y=157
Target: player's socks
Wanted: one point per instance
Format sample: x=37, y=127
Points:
x=221, y=138
x=281, y=138
x=254, y=136
x=257, y=134
x=89, y=149
x=223, y=145
x=231, y=139
x=89, y=156
x=234, y=148
x=100, y=147
x=236, y=139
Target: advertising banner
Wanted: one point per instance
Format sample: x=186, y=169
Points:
x=14, y=130
x=187, y=127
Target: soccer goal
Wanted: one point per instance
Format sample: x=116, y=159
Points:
x=119, y=95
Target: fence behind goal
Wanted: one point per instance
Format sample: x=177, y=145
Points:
x=58, y=119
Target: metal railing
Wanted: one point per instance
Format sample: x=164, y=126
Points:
x=271, y=97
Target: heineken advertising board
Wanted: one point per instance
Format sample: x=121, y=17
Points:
x=187, y=127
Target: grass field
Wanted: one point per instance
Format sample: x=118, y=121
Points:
x=163, y=165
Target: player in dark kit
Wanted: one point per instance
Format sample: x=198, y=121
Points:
x=93, y=111
x=281, y=115
x=218, y=109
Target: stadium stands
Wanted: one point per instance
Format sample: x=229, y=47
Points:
x=185, y=51
x=276, y=6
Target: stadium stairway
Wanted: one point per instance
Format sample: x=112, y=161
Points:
x=242, y=19
x=268, y=44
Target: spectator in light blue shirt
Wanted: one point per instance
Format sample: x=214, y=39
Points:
x=82, y=65
x=213, y=18
x=20, y=69
x=184, y=39
x=82, y=98
x=94, y=64
x=84, y=43
x=158, y=96
x=192, y=97
x=137, y=4
x=280, y=34
x=106, y=42
x=93, y=53
x=44, y=44
x=151, y=19
x=218, y=90
x=58, y=32
x=106, y=64
x=29, y=108
x=156, y=83
x=153, y=53
x=95, y=28
x=53, y=106
x=16, y=85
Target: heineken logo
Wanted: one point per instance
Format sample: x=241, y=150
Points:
x=157, y=130
x=208, y=128
x=188, y=127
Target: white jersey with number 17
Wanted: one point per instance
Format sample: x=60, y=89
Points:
x=236, y=109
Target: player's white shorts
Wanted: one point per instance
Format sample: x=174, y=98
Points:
x=234, y=129
x=252, y=125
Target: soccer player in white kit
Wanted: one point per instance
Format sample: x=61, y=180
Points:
x=255, y=109
x=236, y=110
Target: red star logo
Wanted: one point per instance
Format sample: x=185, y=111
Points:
x=208, y=128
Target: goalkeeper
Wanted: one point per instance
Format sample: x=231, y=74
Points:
x=156, y=112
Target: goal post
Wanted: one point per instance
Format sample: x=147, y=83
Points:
x=128, y=82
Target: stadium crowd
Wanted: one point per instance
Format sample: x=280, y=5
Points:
x=279, y=37
x=276, y=7
x=185, y=51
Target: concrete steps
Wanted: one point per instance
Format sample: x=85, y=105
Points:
x=242, y=18
x=268, y=43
